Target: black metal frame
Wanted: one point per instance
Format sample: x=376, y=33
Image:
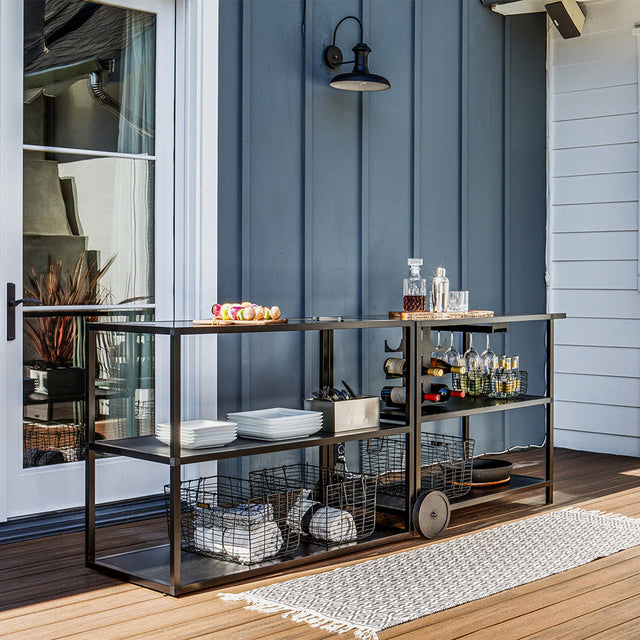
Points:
x=167, y=568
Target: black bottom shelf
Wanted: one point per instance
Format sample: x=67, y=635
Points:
x=477, y=495
x=517, y=484
x=150, y=567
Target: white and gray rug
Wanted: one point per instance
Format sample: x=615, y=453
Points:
x=378, y=594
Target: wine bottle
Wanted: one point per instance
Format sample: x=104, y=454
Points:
x=445, y=392
x=398, y=367
x=397, y=396
x=446, y=367
x=395, y=366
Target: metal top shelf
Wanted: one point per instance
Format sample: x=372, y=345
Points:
x=150, y=448
x=187, y=327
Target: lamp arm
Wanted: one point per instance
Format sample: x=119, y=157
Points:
x=341, y=21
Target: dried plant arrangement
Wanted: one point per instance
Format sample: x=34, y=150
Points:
x=54, y=337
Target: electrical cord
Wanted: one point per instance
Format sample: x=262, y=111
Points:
x=514, y=448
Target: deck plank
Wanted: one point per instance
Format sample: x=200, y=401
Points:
x=580, y=627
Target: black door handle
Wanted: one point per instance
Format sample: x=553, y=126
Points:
x=12, y=303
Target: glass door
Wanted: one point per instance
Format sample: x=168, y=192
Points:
x=96, y=236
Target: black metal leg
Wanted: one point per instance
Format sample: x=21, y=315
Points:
x=90, y=455
x=326, y=380
x=326, y=358
x=410, y=339
x=549, y=411
x=175, y=534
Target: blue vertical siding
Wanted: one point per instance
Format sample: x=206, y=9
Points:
x=324, y=193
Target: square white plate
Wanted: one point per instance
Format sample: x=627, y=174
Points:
x=276, y=415
x=197, y=425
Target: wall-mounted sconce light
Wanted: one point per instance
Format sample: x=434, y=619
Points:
x=359, y=79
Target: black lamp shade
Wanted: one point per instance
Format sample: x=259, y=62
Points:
x=360, y=79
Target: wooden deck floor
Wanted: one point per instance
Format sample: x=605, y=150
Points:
x=46, y=593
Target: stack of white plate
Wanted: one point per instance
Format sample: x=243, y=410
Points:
x=199, y=434
x=277, y=424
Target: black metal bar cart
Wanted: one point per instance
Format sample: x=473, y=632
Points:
x=168, y=568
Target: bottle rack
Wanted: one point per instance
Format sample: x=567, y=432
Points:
x=468, y=407
x=169, y=569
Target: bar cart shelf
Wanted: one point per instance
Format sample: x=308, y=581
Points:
x=169, y=569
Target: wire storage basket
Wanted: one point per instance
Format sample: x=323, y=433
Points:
x=45, y=443
x=446, y=463
x=507, y=384
x=385, y=458
x=473, y=383
x=334, y=507
x=225, y=517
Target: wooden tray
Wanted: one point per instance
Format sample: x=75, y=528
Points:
x=433, y=315
x=215, y=321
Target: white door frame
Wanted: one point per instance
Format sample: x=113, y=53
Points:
x=194, y=179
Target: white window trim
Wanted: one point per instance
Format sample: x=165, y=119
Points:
x=196, y=229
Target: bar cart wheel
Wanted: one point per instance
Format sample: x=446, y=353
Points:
x=431, y=514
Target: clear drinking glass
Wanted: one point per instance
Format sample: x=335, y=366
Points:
x=458, y=301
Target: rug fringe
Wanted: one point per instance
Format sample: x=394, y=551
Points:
x=302, y=615
x=602, y=514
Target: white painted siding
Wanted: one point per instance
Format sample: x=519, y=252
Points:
x=593, y=229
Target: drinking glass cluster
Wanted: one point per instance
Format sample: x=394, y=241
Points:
x=486, y=373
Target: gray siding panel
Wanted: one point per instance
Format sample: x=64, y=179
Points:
x=593, y=224
x=324, y=194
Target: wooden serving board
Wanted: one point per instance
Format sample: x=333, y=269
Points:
x=257, y=323
x=433, y=315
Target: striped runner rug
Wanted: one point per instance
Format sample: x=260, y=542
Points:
x=377, y=594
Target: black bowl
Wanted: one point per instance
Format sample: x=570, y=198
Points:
x=487, y=470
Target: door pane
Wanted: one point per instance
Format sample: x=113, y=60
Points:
x=88, y=219
x=98, y=208
x=54, y=411
x=89, y=76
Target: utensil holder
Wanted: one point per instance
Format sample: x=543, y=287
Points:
x=343, y=416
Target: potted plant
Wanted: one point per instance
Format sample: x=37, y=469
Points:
x=54, y=336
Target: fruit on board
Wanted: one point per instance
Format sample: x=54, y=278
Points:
x=244, y=311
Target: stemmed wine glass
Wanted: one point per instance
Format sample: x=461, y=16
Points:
x=488, y=366
x=488, y=360
x=471, y=357
x=452, y=355
x=439, y=351
x=472, y=363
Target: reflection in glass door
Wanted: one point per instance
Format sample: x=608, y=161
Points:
x=90, y=187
